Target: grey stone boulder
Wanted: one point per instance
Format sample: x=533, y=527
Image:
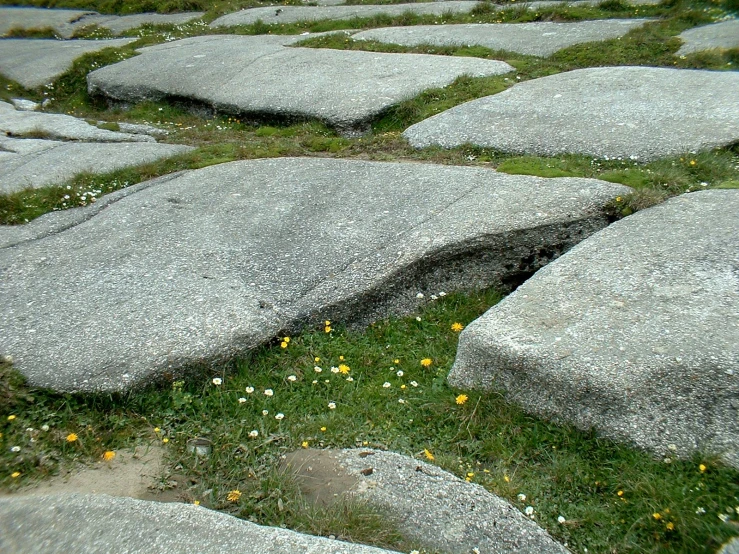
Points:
x=34, y=63
x=118, y=24
x=204, y=266
x=26, y=19
x=14, y=122
x=99, y=524
x=535, y=39
x=428, y=505
x=640, y=112
x=291, y=14
x=731, y=547
x=260, y=75
x=634, y=332
x=722, y=36
x=36, y=163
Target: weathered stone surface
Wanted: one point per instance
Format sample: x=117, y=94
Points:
x=92, y=524
x=721, y=35
x=15, y=122
x=731, y=547
x=291, y=14
x=428, y=505
x=34, y=63
x=24, y=104
x=634, y=332
x=644, y=112
x=259, y=75
x=24, y=19
x=535, y=39
x=38, y=163
x=213, y=262
x=118, y=24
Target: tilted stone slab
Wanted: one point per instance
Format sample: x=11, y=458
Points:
x=644, y=112
x=14, y=122
x=259, y=75
x=722, y=36
x=634, y=332
x=37, y=163
x=535, y=39
x=95, y=523
x=34, y=63
x=291, y=14
x=26, y=19
x=118, y=24
x=429, y=506
x=209, y=264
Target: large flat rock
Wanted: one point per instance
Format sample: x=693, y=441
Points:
x=25, y=19
x=37, y=163
x=261, y=75
x=291, y=14
x=644, y=112
x=722, y=36
x=34, y=63
x=15, y=122
x=205, y=265
x=535, y=39
x=429, y=506
x=634, y=332
x=118, y=24
x=98, y=523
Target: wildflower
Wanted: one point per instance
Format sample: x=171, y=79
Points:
x=316, y=359
x=620, y=493
x=323, y=428
x=253, y=434
x=461, y=399
x=457, y=327
x=334, y=369
x=700, y=511
x=341, y=358
x=403, y=387
x=11, y=417
x=304, y=444
x=723, y=517
x=401, y=401
x=72, y=437
x=265, y=412
x=283, y=344
x=506, y=479
x=286, y=339
x=442, y=294
x=470, y=474
x=702, y=468
x=426, y=362
x=399, y=373
x=428, y=454
x=386, y=385
x=521, y=497
x=315, y=381
x=15, y=474
x=350, y=379
x=657, y=516
x=234, y=496
x=344, y=369
x=529, y=510
x=280, y=416
x=419, y=295
x=618, y=199
x=561, y=519
x=242, y=400
x=196, y=502
x=414, y=384
x=292, y=378
x=318, y=369
x=670, y=526
x=249, y=390
x=327, y=329
x=165, y=440
x=15, y=449
x=692, y=162
x=332, y=405
x=44, y=427
x=217, y=381
x=268, y=392
x=418, y=318
x=108, y=455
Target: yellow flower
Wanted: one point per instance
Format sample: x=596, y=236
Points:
x=657, y=516
x=15, y=474
x=461, y=399
x=72, y=437
x=11, y=417
x=286, y=339
x=470, y=474
x=702, y=468
x=108, y=455
x=343, y=368
x=327, y=322
x=157, y=429
x=618, y=199
x=396, y=361
x=428, y=454
x=304, y=444
x=620, y=493
x=670, y=526
x=165, y=440
x=457, y=327
x=426, y=362
x=506, y=479
x=234, y=496
x=283, y=344
x=327, y=328
x=316, y=359
x=341, y=358
x=692, y=162
x=323, y=428
x=196, y=502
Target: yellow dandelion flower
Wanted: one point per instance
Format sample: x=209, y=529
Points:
x=72, y=437
x=304, y=444
x=108, y=455
x=657, y=516
x=428, y=454
x=702, y=467
x=670, y=526
x=343, y=368
x=457, y=327
x=426, y=362
x=234, y=495
x=11, y=417
x=283, y=344
x=15, y=474
x=461, y=399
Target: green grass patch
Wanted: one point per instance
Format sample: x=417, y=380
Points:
x=370, y=389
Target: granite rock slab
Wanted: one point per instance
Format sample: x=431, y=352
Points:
x=25, y=19
x=639, y=112
x=261, y=76
x=634, y=332
x=34, y=63
x=428, y=505
x=204, y=266
x=15, y=122
x=118, y=24
x=722, y=36
x=36, y=163
x=535, y=39
x=96, y=523
x=290, y=14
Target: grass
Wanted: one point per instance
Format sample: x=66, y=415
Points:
x=606, y=492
